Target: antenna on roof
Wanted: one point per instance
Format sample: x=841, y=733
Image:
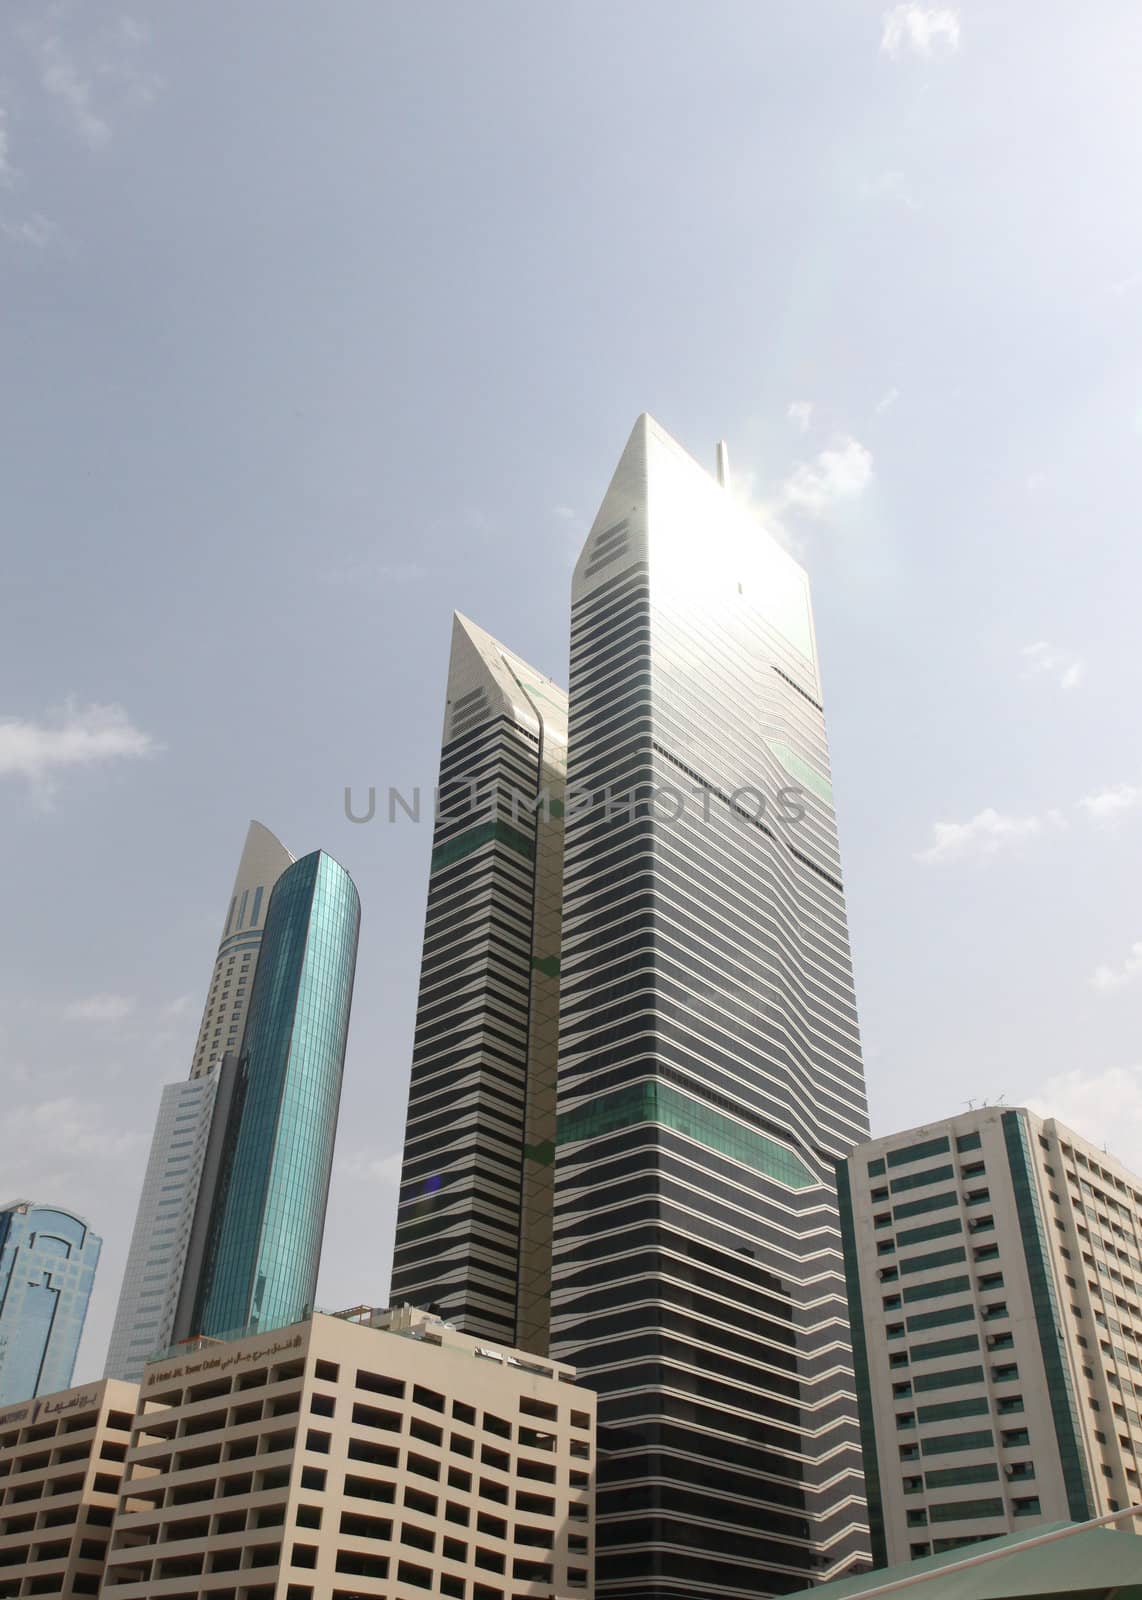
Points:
x=723, y=464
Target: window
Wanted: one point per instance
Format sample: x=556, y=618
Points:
x=935, y=1258
x=966, y=1510
x=952, y=1477
x=968, y=1141
x=917, y=1208
x=940, y=1319
x=916, y=1152
x=920, y=1180
x=952, y=1443
x=948, y=1379
x=952, y=1410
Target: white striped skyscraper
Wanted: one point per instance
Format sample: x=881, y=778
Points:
x=709, y=1057
x=474, y=1222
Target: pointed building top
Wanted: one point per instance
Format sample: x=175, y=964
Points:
x=487, y=680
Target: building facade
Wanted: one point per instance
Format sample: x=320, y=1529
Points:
x=266, y=1219
x=264, y=859
x=165, y=1258
x=473, y=1232
x=164, y=1225
x=61, y=1461
x=709, y=1062
x=996, y=1299
x=387, y=1456
x=48, y=1258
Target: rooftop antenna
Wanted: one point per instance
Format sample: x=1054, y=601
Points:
x=723, y=464
x=970, y=1104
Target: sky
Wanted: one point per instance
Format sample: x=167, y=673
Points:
x=320, y=322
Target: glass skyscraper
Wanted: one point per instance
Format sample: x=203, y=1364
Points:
x=268, y=1208
x=709, y=1060
x=474, y=1222
x=167, y=1244
x=47, y=1265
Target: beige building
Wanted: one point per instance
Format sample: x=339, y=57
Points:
x=61, y=1462
x=995, y=1287
x=370, y=1454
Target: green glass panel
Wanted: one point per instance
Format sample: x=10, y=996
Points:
x=917, y=1208
x=951, y=1379
x=940, y=1319
x=950, y=1412
x=918, y=1180
x=935, y=1349
x=463, y=844
x=658, y=1102
x=934, y=1258
x=931, y=1230
x=918, y=1152
x=936, y=1291
x=950, y=1477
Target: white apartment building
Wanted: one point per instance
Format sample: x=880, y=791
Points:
x=61, y=1461
x=995, y=1289
x=365, y=1455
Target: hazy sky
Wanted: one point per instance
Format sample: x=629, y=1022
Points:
x=320, y=321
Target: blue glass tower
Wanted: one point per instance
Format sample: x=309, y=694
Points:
x=47, y=1265
x=269, y=1215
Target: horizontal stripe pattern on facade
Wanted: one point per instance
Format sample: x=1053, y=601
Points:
x=710, y=1075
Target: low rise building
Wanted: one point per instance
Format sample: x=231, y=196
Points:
x=361, y=1455
x=995, y=1289
x=61, y=1460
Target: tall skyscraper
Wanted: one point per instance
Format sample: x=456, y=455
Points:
x=264, y=859
x=995, y=1288
x=48, y=1259
x=709, y=1060
x=474, y=1222
x=267, y=1217
x=156, y=1260
x=242, y=1151
x=190, y=1126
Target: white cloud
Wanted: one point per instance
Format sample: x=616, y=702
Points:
x=8, y=173
x=176, y=1008
x=800, y=414
x=886, y=401
x=925, y=31
x=64, y=1127
x=36, y=230
x=841, y=473
x=1108, y=803
x=1105, y=1107
x=1067, y=669
x=63, y=79
x=985, y=834
x=91, y=78
x=372, y=1169
x=74, y=737
x=1107, y=978
x=100, y=1008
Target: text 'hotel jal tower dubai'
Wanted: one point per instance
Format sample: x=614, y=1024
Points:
x=709, y=1058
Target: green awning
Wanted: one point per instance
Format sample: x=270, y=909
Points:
x=1084, y=1567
